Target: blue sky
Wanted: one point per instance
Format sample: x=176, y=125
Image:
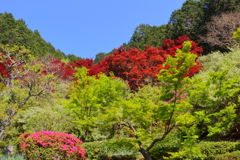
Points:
x=87, y=27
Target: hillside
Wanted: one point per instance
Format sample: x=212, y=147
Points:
x=15, y=32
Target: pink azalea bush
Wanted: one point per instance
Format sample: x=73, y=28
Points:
x=51, y=145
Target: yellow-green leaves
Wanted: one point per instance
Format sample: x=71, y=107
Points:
x=236, y=34
x=23, y=81
x=175, y=68
x=95, y=100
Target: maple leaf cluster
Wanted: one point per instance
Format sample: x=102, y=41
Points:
x=139, y=67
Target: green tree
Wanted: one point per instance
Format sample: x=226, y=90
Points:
x=99, y=57
x=214, y=94
x=145, y=34
x=72, y=57
x=24, y=82
x=187, y=20
x=90, y=98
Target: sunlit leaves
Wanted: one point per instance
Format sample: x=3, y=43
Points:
x=92, y=98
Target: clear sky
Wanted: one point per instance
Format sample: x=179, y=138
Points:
x=87, y=27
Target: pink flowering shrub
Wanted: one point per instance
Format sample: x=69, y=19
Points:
x=47, y=145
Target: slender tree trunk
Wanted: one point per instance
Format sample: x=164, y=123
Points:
x=5, y=123
x=145, y=154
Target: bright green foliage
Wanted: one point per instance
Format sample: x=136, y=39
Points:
x=177, y=67
x=177, y=108
x=232, y=155
x=211, y=150
x=236, y=34
x=91, y=98
x=215, y=93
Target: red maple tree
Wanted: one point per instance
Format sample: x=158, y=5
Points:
x=139, y=67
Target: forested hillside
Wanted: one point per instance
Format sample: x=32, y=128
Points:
x=171, y=92
x=15, y=32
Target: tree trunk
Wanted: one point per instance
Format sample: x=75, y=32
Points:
x=6, y=123
x=145, y=154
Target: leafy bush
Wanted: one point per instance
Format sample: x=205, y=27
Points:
x=37, y=119
x=214, y=150
x=2, y=144
x=214, y=93
x=50, y=145
x=211, y=149
x=229, y=156
x=110, y=149
x=218, y=61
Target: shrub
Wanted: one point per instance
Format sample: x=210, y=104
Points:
x=229, y=156
x=2, y=144
x=51, y=145
x=212, y=149
x=217, y=150
x=108, y=150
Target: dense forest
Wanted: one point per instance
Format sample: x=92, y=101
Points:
x=171, y=92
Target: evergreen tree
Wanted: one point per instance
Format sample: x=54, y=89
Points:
x=145, y=35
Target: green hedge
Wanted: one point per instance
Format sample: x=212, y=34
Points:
x=228, y=156
x=213, y=149
x=110, y=150
x=216, y=151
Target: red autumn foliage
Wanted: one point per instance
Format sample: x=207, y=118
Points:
x=139, y=67
x=3, y=71
x=88, y=63
x=65, y=71
x=59, y=69
x=3, y=68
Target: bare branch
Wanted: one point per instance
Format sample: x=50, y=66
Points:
x=221, y=28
